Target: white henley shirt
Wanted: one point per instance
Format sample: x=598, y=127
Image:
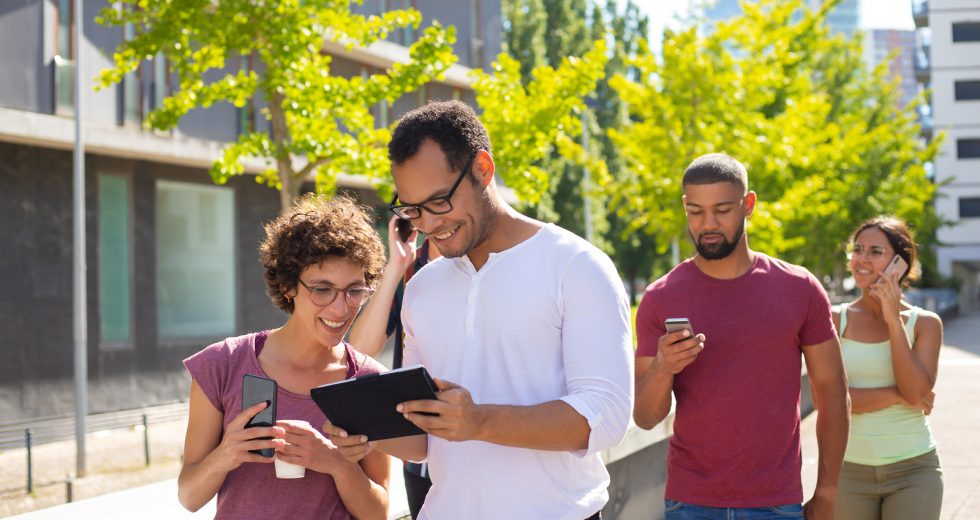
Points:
x=546, y=319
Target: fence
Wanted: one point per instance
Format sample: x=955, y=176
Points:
x=32, y=432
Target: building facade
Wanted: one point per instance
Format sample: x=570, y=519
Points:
x=879, y=46
x=172, y=258
x=948, y=62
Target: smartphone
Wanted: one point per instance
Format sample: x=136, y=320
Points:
x=678, y=324
x=255, y=390
x=404, y=228
x=897, y=265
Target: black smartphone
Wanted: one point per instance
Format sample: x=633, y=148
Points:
x=404, y=228
x=255, y=390
x=678, y=324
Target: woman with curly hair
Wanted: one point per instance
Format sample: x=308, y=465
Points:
x=891, y=353
x=321, y=258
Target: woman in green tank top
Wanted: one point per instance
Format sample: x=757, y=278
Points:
x=891, y=353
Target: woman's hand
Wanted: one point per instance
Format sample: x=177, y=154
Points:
x=889, y=295
x=311, y=449
x=234, y=448
x=400, y=254
x=925, y=405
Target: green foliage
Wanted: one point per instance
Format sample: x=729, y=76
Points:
x=527, y=123
x=823, y=139
x=320, y=124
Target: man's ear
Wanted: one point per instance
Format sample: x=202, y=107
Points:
x=750, y=199
x=483, y=167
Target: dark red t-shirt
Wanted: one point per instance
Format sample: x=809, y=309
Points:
x=736, y=439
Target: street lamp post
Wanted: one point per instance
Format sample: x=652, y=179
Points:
x=79, y=299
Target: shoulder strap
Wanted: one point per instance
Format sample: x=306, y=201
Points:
x=910, y=325
x=843, y=320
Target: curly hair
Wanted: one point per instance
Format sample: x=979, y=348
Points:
x=451, y=124
x=314, y=229
x=899, y=237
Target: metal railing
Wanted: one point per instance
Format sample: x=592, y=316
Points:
x=29, y=433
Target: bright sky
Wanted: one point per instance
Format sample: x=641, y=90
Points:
x=875, y=14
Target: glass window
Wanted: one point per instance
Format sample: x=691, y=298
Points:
x=966, y=32
x=967, y=90
x=131, y=86
x=968, y=148
x=114, y=264
x=196, y=295
x=970, y=207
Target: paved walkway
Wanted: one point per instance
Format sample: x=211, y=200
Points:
x=955, y=421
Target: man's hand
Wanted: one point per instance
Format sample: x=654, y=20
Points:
x=821, y=505
x=677, y=350
x=452, y=415
x=351, y=447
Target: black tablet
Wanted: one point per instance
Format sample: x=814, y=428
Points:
x=366, y=405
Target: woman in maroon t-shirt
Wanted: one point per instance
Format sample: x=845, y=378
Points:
x=321, y=258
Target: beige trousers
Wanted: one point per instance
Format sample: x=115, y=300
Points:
x=910, y=489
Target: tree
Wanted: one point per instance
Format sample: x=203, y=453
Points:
x=320, y=124
x=527, y=123
x=824, y=141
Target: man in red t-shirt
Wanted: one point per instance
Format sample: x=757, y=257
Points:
x=736, y=442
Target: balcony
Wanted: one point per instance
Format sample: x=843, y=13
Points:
x=920, y=13
x=923, y=71
x=926, y=126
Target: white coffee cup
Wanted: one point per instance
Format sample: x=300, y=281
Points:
x=287, y=469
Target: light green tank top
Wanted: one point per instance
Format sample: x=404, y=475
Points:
x=892, y=434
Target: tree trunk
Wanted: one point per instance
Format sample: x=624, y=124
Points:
x=290, y=184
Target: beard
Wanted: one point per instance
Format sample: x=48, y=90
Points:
x=719, y=250
x=482, y=227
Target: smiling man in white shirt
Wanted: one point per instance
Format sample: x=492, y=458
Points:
x=525, y=326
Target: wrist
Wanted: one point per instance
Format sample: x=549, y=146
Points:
x=481, y=422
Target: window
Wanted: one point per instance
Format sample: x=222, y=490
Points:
x=968, y=148
x=966, y=32
x=64, y=65
x=196, y=294
x=115, y=299
x=970, y=207
x=967, y=90
x=132, y=113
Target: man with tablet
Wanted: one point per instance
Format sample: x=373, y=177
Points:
x=525, y=328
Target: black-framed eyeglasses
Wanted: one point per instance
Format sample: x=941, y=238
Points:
x=436, y=205
x=323, y=296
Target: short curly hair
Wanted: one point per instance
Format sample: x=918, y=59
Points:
x=314, y=229
x=453, y=125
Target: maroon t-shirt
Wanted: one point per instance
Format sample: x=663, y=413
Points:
x=736, y=439
x=252, y=490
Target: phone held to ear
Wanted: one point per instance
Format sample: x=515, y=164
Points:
x=896, y=266
x=255, y=390
x=404, y=228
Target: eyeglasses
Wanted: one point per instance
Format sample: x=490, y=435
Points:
x=873, y=252
x=436, y=205
x=323, y=296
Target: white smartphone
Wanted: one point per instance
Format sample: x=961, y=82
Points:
x=897, y=265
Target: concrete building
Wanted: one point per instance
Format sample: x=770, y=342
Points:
x=172, y=258
x=949, y=64
x=845, y=18
x=879, y=44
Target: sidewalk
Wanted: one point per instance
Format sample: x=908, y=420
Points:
x=159, y=502
x=955, y=421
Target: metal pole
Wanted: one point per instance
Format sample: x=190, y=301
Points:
x=80, y=269
x=586, y=181
x=30, y=467
x=146, y=440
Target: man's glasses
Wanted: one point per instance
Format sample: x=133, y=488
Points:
x=323, y=296
x=436, y=205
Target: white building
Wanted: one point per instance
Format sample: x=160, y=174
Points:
x=950, y=45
